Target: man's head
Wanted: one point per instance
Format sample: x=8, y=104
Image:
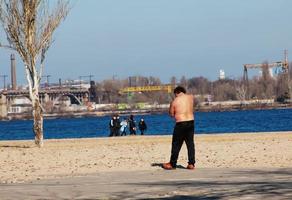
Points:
x=179, y=89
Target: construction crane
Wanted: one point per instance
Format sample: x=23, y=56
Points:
x=281, y=67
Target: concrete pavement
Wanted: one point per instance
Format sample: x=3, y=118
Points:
x=160, y=184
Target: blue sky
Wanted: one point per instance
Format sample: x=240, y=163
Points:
x=164, y=38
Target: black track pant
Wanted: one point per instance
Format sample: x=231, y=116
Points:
x=183, y=131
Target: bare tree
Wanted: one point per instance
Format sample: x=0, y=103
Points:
x=184, y=81
x=199, y=85
x=173, y=81
x=241, y=92
x=29, y=26
x=266, y=82
x=154, y=81
x=224, y=90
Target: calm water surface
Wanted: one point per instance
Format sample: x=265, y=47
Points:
x=158, y=124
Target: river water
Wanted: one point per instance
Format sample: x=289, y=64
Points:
x=158, y=124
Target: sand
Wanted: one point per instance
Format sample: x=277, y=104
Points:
x=22, y=161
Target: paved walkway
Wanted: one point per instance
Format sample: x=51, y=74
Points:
x=159, y=184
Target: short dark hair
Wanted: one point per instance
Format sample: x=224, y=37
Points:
x=179, y=89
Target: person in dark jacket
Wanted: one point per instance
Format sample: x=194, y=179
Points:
x=117, y=125
x=111, y=126
x=142, y=126
x=132, y=125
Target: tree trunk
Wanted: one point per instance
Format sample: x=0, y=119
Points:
x=38, y=120
x=37, y=111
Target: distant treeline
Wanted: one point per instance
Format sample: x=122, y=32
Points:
x=261, y=87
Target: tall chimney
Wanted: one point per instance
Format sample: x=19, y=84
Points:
x=13, y=72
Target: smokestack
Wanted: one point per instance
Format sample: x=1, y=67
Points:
x=13, y=72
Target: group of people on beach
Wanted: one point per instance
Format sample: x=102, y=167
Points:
x=120, y=128
x=182, y=110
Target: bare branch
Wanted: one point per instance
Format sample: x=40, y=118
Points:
x=7, y=47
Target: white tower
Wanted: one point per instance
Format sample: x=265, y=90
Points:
x=221, y=74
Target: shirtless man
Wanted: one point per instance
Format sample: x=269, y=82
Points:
x=181, y=108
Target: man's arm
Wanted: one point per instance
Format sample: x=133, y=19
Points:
x=171, y=109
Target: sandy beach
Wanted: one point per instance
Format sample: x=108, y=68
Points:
x=22, y=161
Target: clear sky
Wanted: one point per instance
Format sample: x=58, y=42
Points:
x=164, y=38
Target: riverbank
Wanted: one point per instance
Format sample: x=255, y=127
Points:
x=22, y=161
x=164, y=109
x=80, y=114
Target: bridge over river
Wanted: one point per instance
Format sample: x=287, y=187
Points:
x=49, y=97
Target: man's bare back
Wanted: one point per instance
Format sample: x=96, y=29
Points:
x=181, y=108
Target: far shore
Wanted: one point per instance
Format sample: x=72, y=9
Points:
x=22, y=161
x=96, y=113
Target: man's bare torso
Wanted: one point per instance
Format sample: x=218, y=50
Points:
x=181, y=108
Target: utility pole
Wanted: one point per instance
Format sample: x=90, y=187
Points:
x=88, y=76
x=60, y=83
x=80, y=82
x=287, y=71
x=114, y=77
x=47, y=81
x=4, y=81
x=89, y=97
